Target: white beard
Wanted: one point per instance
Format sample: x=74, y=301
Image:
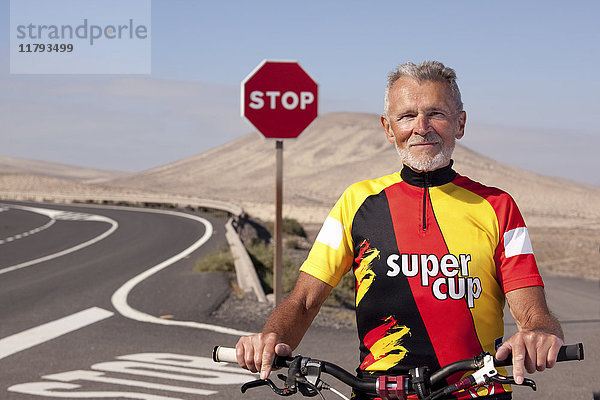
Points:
x=441, y=159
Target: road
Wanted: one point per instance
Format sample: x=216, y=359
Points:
x=83, y=290
x=99, y=302
x=576, y=303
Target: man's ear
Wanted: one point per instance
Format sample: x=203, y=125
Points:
x=389, y=133
x=462, y=121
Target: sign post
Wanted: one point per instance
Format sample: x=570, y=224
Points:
x=280, y=100
x=278, y=225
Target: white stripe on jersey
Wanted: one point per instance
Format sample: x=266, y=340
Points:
x=517, y=242
x=331, y=233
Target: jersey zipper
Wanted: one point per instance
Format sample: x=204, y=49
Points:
x=425, y=192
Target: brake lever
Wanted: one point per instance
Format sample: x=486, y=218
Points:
x=488, y=373
x=287, y=391
x=510, y=380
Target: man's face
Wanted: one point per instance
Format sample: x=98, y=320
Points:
x=424, y=123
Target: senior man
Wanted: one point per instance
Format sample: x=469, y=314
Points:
x=434, y=254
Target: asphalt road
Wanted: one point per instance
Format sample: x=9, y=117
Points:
x=82, y=317
x=109, y=308
x=576, y=303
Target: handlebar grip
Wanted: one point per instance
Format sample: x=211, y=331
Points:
x=224, y=354
x=569, y=352
x=227, y=354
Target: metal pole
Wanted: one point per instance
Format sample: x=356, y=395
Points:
x=278, y=228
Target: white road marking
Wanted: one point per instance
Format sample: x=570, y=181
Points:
x=51, y=330
x=52, y=389
x=28, y=233
x=207, y=376
x=55, y=215
x=184, y=360
x=119, y=298
x=173, y=370
x=94, y=376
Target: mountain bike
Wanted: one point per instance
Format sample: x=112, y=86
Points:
x=304, y=376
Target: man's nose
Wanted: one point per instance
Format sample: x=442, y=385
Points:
x=421, y=125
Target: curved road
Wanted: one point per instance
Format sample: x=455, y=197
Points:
x=81, y=286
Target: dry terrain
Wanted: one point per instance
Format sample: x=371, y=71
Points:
x=55, y=170
x=337, y=150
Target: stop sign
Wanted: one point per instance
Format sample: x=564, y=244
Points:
x=280, y=99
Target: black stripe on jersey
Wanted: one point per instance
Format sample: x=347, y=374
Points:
x=373, y=223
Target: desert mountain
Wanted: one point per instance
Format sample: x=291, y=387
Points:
x=335, y=151
x=341, y=148
x=11, y=165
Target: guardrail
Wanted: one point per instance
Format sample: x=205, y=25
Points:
x=246, y=276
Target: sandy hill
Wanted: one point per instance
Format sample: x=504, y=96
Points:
x=11, y=165
x=342, y=148
x=337, y=150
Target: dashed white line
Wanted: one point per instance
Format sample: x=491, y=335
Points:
x=55, y=215
x=28, y=233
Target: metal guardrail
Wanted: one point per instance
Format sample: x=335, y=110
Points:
x=178, y=201
x=246, y=276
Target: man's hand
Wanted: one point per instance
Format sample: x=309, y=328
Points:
x=536, y=345
x=531, y=351
x=285, y=327
x=257, y=352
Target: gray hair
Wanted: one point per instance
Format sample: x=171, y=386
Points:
x=426, y=71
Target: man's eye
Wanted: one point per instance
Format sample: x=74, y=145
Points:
x=405, y=117
x=437, y=114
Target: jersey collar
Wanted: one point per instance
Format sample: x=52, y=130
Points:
x=432, y=178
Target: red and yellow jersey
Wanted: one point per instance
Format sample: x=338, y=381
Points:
x=432, y=255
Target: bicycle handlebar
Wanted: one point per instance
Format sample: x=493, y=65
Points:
x=227, y=354
x=571, y=352
x=224, y=354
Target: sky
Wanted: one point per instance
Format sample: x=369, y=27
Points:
x=529, y=66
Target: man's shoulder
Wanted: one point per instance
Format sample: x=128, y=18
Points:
x=373, y=186
x=479, y=188
x=355, y=195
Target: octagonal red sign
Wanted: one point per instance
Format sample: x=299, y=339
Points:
x=280, y=99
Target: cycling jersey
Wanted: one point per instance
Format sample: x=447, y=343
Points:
x=432, y=255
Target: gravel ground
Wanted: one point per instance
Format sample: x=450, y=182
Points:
x=244, y=312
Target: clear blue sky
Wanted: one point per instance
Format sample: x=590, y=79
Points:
x=530, y=64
